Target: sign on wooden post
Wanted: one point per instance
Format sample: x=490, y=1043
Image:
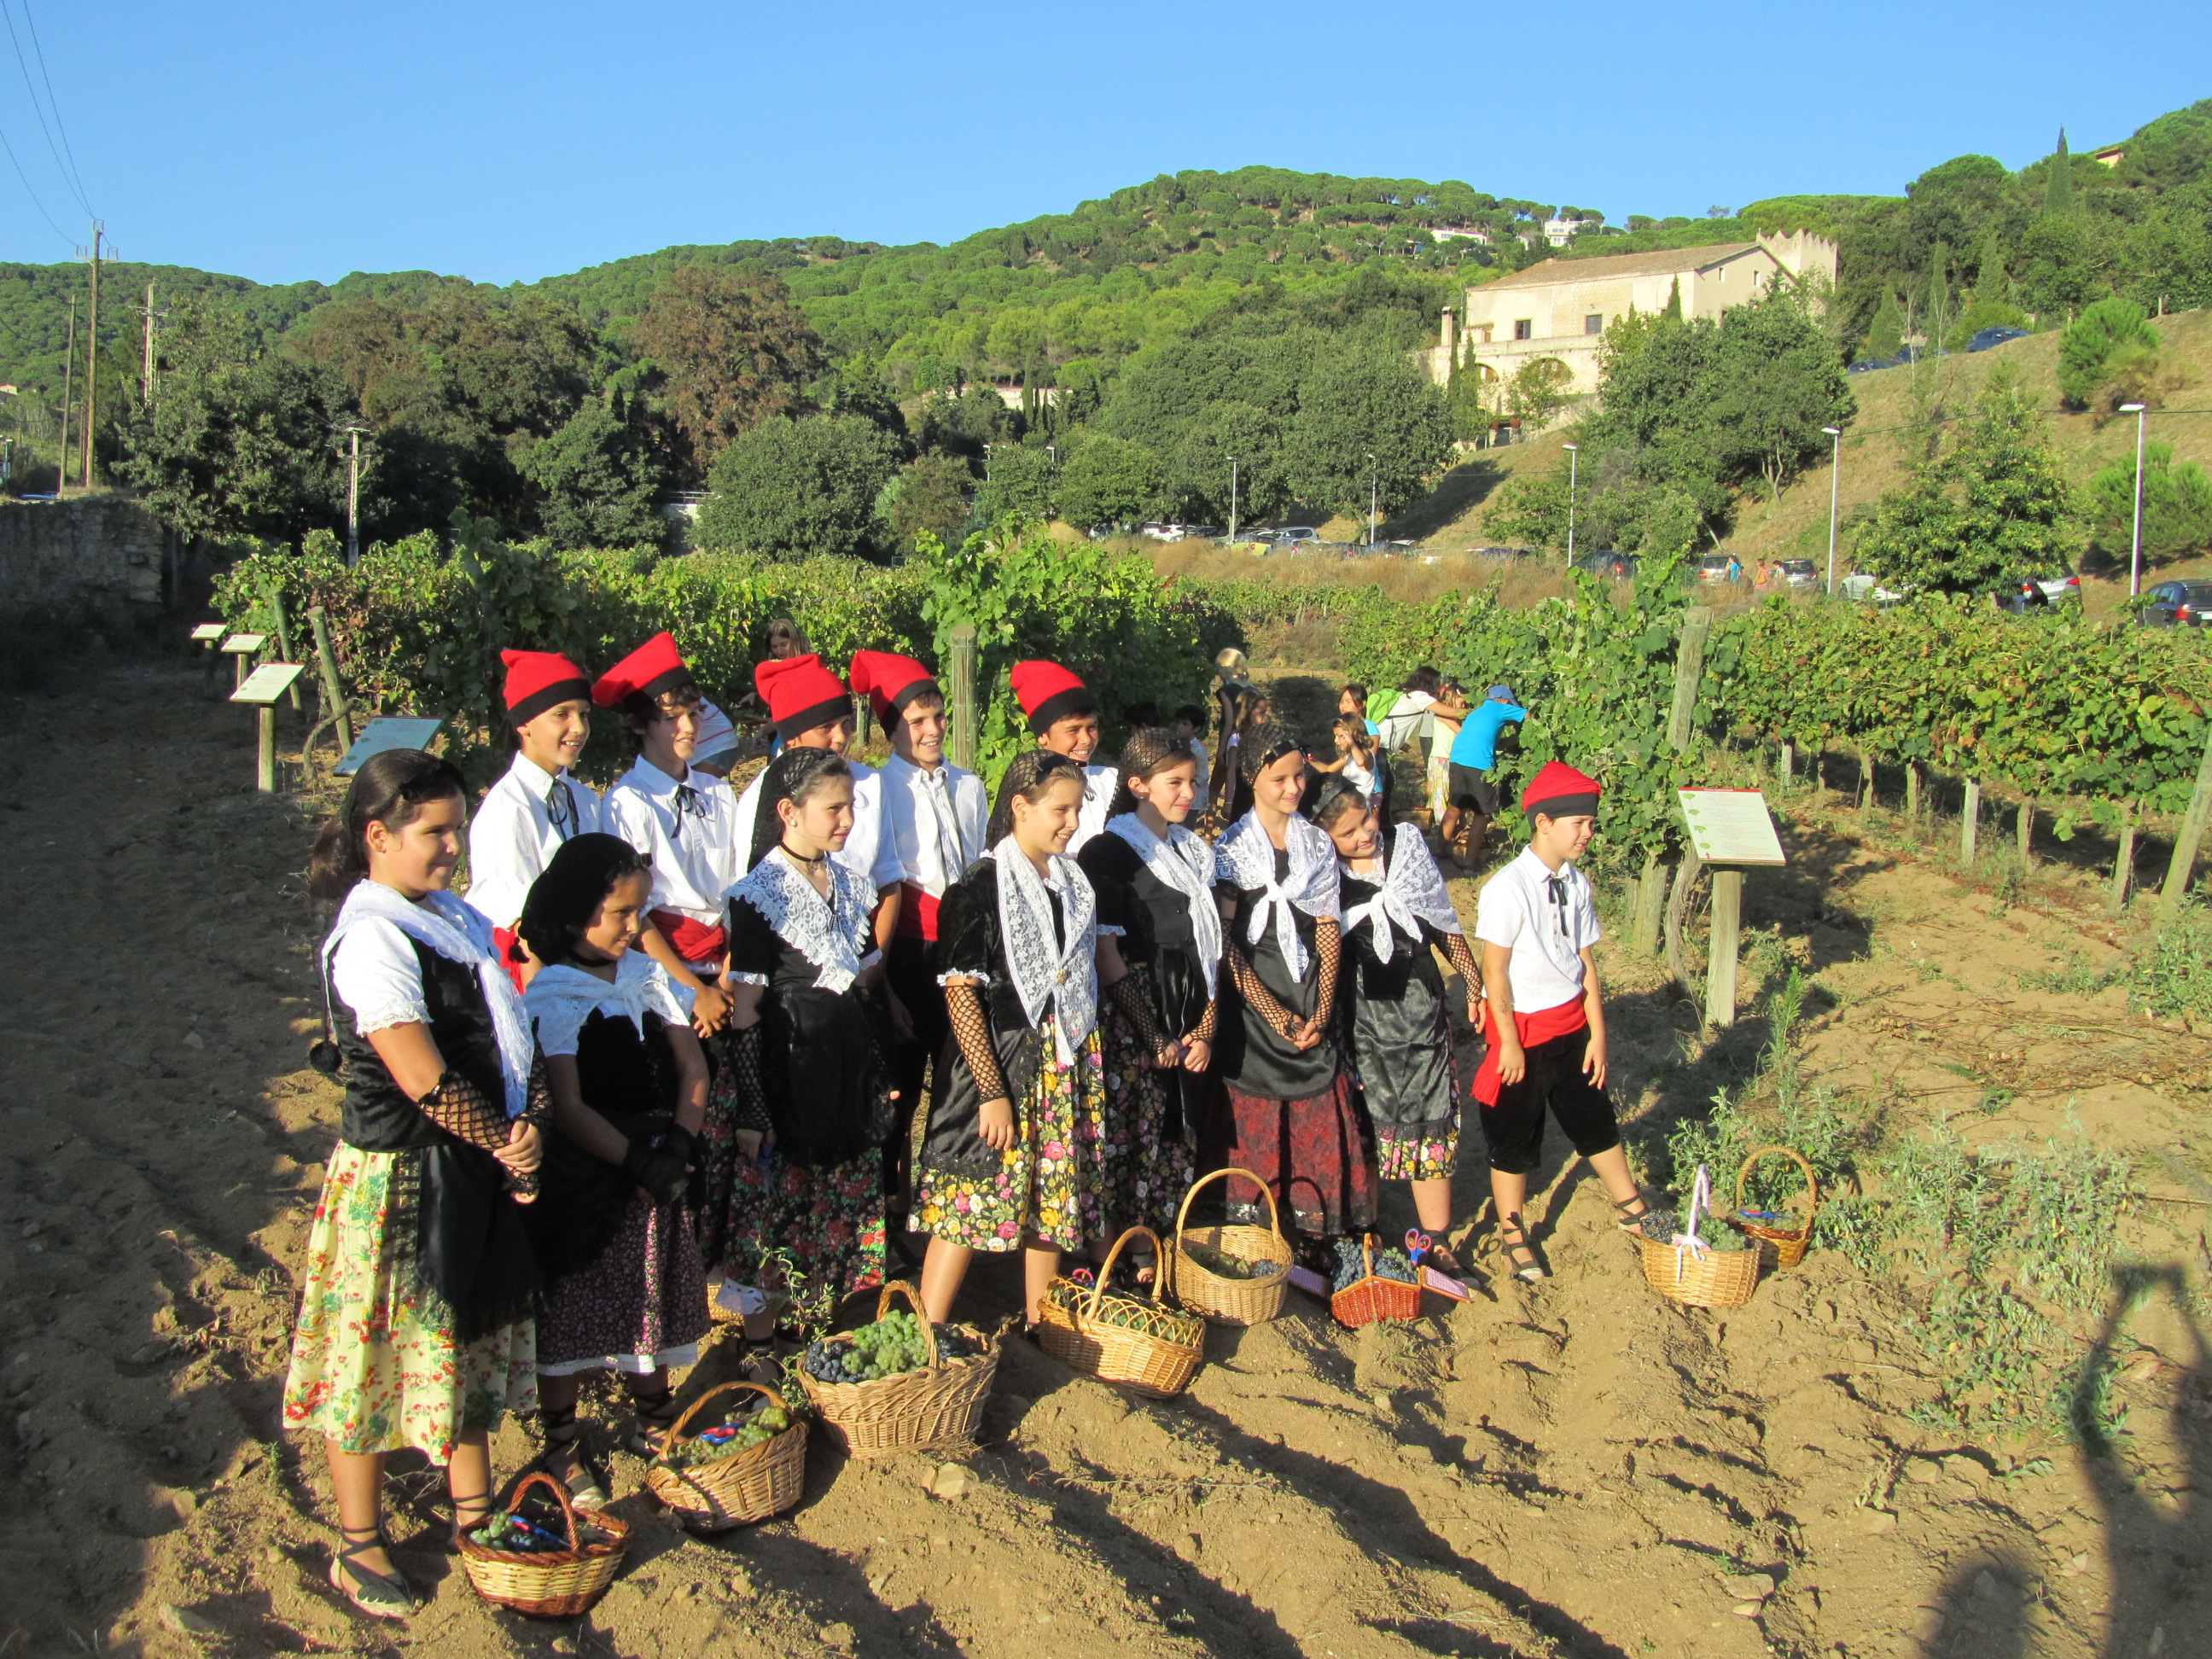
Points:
x=238, y=647
x=1730, y=829
x=261, y=688
x=207, y=635
x=388, y=731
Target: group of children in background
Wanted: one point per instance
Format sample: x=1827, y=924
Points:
x=670, y=1046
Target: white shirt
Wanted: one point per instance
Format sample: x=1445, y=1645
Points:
x=693, y=859
x=912, y=842
x=375, y=972
x=1205, y=765
x=513, y=837
x=1099, y=783
x=1360, y=777
x=859, y=853
x=1517, y=910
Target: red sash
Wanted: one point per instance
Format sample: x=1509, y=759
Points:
x=1541, y=1026
x=696, y=942
x=917, y=916
x=508, y=943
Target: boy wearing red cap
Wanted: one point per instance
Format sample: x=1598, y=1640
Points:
x=685, y=821
x=536, y=806
x=1063, y=717
x=1538, y=924
x=930, y=817
x=810, y=708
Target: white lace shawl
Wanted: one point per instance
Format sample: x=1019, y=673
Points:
x=1413, y=892
x=829, y=933
x=459, y=933
x=1245, y=856
x=1185, y=863
x=563, y=998
x=1044, y=970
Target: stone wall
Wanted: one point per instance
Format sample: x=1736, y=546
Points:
x=101, y=553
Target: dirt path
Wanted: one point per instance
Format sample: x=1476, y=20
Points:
x=1578, y=1468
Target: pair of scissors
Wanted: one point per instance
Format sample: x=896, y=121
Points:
x=1080, y=1276
x=1417, y=1244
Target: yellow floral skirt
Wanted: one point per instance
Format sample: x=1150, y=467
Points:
x=1043, y=1187
x=375, y=1364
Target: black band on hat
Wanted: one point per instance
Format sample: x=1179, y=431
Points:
x=1062, y=705
x=545, y=697
x=1563, y=807
x=680, y=675
x=791, y=726
x=926, y=686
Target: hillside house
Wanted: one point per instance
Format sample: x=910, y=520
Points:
x=1558, y=310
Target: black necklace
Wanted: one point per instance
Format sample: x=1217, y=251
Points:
x=800, y=858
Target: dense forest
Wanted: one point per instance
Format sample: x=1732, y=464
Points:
x=848, y=395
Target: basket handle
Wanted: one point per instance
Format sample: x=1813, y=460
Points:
x=536, y=1477
x=1367, y=1256
x=930, y=1361
x=1106, y=1267
x=1274, y=1215
x=712, y=1394
x=1812, y=1186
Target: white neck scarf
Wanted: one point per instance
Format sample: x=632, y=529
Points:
x=1185, y=863
x=1412, y=892
x=562, y=997
x=1062, y=972
x=827, y=932
x=460, y=933
x=1247, y=857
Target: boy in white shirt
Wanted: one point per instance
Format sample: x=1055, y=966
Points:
x=685, y=821
x=536, y=806
x=1063, y=717
x=809, y=708
x=1538, y=924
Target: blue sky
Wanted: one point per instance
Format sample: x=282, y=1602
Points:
x=505, y=141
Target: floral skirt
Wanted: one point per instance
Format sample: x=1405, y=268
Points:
x=375, y=1364
x=1139, y=1165
x=826, y=1222
x=1042, y=1188
x=1416, y=1155
x=1314, y=1154
x=641, y=1306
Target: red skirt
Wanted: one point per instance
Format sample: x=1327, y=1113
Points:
x=1313, y=1152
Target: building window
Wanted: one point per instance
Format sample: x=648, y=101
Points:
x=1524, y=328
x=1594, y=324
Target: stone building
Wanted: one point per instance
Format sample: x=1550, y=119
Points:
x=1558, y=310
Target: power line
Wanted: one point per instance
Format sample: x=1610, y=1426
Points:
x=66, y=169
x=32, y=194
x=39, y=51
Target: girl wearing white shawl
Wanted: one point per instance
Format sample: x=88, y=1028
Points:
x=1154, y=879
x=1010, y=1156
x=1292, y=1119
x=1397, y=1030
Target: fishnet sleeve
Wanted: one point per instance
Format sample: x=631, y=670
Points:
x=745, y=1084
x=1126, y=995
x=1460, y=954
x=460, y=1108
x=1328, y=947
x=971, y=1029
x=1249, y=986
x=1208, y=1022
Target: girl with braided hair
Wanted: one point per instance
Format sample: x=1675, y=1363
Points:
x=1292, y=1118
x=625, y=1290
x=1154, y=879
x=1023, y=957
x=794, y=1160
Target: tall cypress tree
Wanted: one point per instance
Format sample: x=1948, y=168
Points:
x=1675, y=301
x=2058, y=188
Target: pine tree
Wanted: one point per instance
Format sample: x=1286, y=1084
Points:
x=1675, y=301
x=2058, y=188
x=1886, y=334
x=1991, y=285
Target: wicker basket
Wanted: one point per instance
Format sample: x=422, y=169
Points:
x=1232, y=1301
x=1157, y=1363
x=1703, y=1278
x=1370, y=1298
x=1787, y=1243
x=736, y=1490
x=935, y=1409
x=557, y=1584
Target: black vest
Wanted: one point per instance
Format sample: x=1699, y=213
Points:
x=378, y=1117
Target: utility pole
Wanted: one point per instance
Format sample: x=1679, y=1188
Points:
x=68, y=370
x=146, y=375
x=353, y=430
x=1232, y=501
x=1835, y=483
x=92, y=357
x=1370, y=500
x=2134, y=547
x=1574, y=460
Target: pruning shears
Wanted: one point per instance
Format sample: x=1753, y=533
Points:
x=1418, y=1244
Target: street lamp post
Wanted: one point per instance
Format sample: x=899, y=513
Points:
x=1574, y=460
x=353, y=429
x=1835, y=477
x=1371, y=498
x=1232, y=501
x=2135, y=549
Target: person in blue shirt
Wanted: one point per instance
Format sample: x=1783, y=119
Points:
x=1472, y=797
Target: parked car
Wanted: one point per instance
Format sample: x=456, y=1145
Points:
x=1795, y=573
x=1995, y=336
x=2023, y=596
x=1500, y=555
x=1297, y=533
x=2177, y=604
x=1860, y=589
x=1714, y=568
x=1166, y=532
x=1619, y=567
x=1869, y=365
x=1202, y=533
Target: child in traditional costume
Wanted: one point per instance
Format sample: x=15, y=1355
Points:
x=1063, y=717
x=810, y=708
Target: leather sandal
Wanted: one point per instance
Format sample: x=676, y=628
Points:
x=380, y=1595
x=1631, y=1221
x=1518, y=1251
x=655, y=1414
x=563, y=1457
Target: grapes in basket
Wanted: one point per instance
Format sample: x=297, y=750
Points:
x=513, y=1532
x=737, y=1431
x=891, y=1344
x=1352, y=1265
x=1222, y=1265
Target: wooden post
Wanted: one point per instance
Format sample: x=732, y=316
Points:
x=333, y=687
x=1866, y=780
x=1689, y=675
x=2123, y=861
x=1788, y=762
x=960, y=694
x=1912, y=791
x=864, y=721
x=2025, y=829
x=283, y=640
x=264, y=720
x=2186, y=843
x=1820, y=778
x=1969, y=819
x=1650, y=905
x=1721, y=961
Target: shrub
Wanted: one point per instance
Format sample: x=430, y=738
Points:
x=2109, y=352
x=791, y=489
